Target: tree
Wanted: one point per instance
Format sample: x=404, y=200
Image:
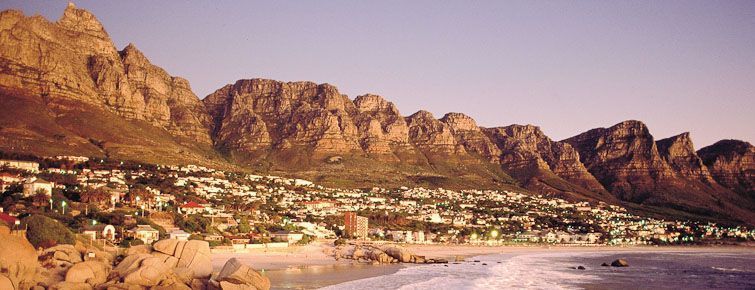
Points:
x=95, y=195
x=244, y=225
x=44, y=231
x=40, y=198
x=142, y=193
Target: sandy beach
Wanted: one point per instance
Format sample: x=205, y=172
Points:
x=312, y=266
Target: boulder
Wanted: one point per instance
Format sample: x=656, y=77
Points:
x=91, y=272
x=151, y=272
x=167, y=247
x=357, y=254
x=195, y=255
x=199, y=284
x=619, y=263
x=580, y=267
x=5, y=283
x=71, y=286
x=184, y=275
x=399, y=253
x=130, y=264
x=167, y=259
x=604, y=265
x=18, y=262
x=235, y=275
x=140, y=249
x=97, y=255
x=379, y=256
x=64, y=253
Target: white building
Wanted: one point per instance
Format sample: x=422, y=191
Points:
x=33, y=186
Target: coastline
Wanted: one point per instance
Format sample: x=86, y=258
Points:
x=312, y=266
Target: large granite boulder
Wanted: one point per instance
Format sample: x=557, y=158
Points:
x=399, y=253
x=18, y=262
x=64, y=254
x=379, y=256
x=195, y=255
x=90, y=272
x=619, y=263
x=71, y=286
x=151, y=272
x=235, y=275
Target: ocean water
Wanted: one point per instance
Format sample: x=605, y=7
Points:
x=647, y=270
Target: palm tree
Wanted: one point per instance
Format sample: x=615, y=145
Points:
x=139, y=193
x=40, y=198
x=95, y=195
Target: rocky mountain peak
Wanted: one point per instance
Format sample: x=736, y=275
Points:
x=374, y=103
x=679, y=152
x=83, y=21
x=131, y=54
x=731, y=163
x=460, y=122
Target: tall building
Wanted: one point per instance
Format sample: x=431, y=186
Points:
x=356, y=226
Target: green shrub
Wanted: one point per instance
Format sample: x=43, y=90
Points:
x=44, y=231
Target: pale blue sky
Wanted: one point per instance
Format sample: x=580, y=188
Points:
x=567, y=66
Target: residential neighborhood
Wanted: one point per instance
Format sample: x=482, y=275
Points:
x=126, y=203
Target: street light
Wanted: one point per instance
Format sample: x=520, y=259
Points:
x=494, y=234
x=51, y=204
x=63, y=205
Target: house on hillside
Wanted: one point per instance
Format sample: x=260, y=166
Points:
x=33, y=186
x=7, y=179
x=192, y=208
x=179, y=235
x=145, y=233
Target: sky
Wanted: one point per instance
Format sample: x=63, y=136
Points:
x=566, y=66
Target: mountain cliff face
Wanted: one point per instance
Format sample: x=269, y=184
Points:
x=69, y=71
x=680, y=154
x=624, y=158
x=253, y=115
x=65, y=89
x=732, y=164
x=74, y=59
x=542, y=164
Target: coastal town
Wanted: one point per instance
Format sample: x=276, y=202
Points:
x=123, y=204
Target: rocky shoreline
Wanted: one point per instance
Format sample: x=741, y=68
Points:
x=389, y=254
x=167, y=265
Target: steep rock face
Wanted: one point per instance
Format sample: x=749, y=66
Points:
x=529, y=152
x=382, y=128
x=431, y=135
x=252, y=114
x=731, y=163
x=469, y=135
x=624, y=158
x=74, y=59
x=680, y=154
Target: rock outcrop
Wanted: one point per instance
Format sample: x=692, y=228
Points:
x=382, y=128
x=255, y=114
x=731, y=163
x=544, y=165
x=18, y=261
x=624, y=158
x=680, y=154
x=471, y=137
x=75, y=59
x=235, y=275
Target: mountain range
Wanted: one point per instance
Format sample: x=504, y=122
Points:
x=65, y=89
